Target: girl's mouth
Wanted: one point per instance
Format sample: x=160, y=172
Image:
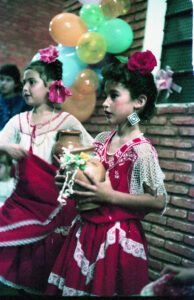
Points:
x=107, y=114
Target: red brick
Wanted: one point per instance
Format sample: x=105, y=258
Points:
x=155, y=264
x=187, y=263
x=186, y=131
x=183, y=202
x=155, y=241
x=166, y=153
x=182, y=120
x=191, y=192
x=158, y=120
x=156, y=218
x=176, y=166
x=191, y=216
x=169, y=176
x=188, y=239
x=171, y=109
x=179, y=225
x=167, y=234
x=164, y=255
x=186, y=178
x=181, y=250
x=162, y=130
x=185, y=155
x=176, y=143
x=190, y=109
x=178, y=213
x=177, y=188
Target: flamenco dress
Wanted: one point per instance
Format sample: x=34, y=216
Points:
x=105, y=252
x=33, y=224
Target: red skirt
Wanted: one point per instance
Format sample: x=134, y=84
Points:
x=33, y=226
x=104, y=259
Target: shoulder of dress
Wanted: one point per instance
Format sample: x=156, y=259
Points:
x=144, y=148
x=102, y=137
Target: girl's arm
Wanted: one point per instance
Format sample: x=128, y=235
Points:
x=15, y=151
x=8, y=140
x=102, y=192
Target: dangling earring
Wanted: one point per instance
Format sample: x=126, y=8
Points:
x=133, y=118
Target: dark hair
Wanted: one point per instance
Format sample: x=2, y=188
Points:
x=136, y=83
x=12, y=71
x=47, y=71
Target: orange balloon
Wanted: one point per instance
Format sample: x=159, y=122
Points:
x=66, y=29
x=80, y=105
x=86, y=81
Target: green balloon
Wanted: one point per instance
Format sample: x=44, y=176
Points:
x=117, y=34
x=91, y=15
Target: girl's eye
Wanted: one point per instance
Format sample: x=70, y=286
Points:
x=114, y=95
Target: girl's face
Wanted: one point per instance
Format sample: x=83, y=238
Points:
x=118, y=103
x=34, y=90
x=7, y=85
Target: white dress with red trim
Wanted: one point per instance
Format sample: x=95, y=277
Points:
x=105, y=252
x=33, y=224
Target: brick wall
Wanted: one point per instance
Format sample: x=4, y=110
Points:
x=24, y=29
x=171, y=236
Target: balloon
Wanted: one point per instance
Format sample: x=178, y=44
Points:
x=117, y=34
x=72, y=65
x=97, y=2
x=91, y=15
x=86, y=81
x=114, y=8
x=66, y=29
x=91, y=47
x=80, y=105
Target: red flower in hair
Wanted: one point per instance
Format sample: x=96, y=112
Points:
x=142, y=62
x=49, y=54
x=58, y=92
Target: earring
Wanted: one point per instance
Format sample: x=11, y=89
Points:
x=133, y=118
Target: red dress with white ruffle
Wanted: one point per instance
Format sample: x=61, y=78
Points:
x=105, y=252
x=33, y=224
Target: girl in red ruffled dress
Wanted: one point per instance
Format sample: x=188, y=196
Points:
x=105, y=252
x=33, y=224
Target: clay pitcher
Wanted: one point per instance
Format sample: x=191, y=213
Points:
x=70, y=139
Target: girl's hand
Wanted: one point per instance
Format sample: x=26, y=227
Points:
x=59, y=180
x=96, y=192
x=16, y=151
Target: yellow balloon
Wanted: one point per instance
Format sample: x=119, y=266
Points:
x=114, y=8
x=91, y=47
x=66, y=29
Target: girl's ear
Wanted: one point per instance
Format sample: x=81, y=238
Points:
x=140, y=102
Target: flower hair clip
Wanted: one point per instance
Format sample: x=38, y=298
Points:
x=49, y=54
x=58, y=92
x=142, y=62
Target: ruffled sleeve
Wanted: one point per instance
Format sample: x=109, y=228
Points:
x=147, y=171
x=10, y=132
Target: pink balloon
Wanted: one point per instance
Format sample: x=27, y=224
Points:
x=97, y=2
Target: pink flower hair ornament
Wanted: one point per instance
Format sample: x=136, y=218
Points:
x=49, y=54
x=58, y=92
x=142, y=62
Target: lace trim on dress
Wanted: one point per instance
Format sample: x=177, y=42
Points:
x=60, y=283
x=31, y=222
x=128, y=245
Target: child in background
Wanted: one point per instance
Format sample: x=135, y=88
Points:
x=32, y=222
x=6, y=182
x=11, y=100
x=105, y=252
